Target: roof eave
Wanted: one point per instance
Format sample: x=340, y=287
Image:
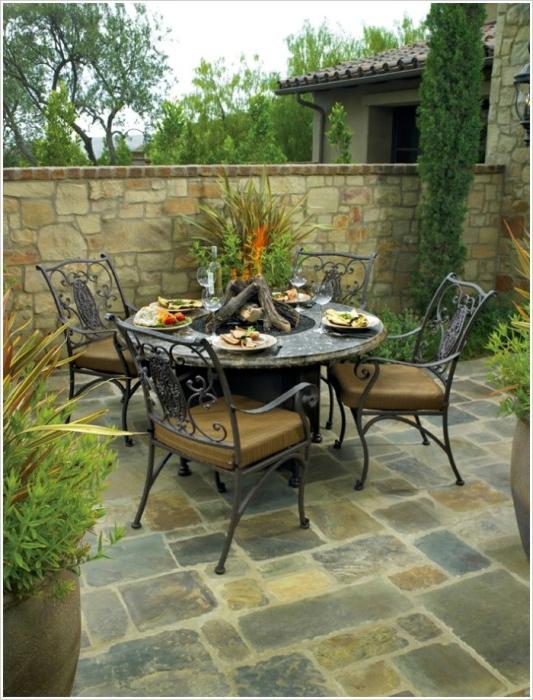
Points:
x=361, y=80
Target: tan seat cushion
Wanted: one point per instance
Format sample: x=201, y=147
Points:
x=261, y=435
x=397, y=388
x=101, y=355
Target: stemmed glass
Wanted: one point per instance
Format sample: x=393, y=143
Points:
x=202, y=277
x=298, y=280
x=212, y=303
x=322, y=295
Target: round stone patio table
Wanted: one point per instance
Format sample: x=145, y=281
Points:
x=297, y=357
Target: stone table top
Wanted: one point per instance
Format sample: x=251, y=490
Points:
x=293, y=349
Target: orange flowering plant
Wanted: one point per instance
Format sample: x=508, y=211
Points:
x=256, y=233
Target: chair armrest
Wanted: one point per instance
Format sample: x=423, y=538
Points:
x=294, y=391
x=423, y=365
x=403, y=335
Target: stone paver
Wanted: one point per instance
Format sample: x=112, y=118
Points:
x=502, y=638
x=281, y=676
x=167, y=599
x=447, y=671
x=340, y=650
x=451, y=553
x=305, y=619
x=411, y=587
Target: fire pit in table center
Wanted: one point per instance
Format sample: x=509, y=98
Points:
x=250, y=302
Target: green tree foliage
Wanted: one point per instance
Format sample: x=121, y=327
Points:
x=339, y=134
x=60, y=145
x=106, y=55
x=450, y=128
x=122, y=153
x=259, y=145
x=312, y=49
x=166, y=143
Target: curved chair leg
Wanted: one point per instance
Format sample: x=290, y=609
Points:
x=136, y=524
x=304, y=522
x=221, y=486
x=329, y=422
x=151, y=476
x=234, y=520
x=458, y=478
x=184, y=469
x=358, y=418
x=126, y=396
x=425, y=440
x=71, y=387
x=338, y=442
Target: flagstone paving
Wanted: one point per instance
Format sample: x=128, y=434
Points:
x=411, y=587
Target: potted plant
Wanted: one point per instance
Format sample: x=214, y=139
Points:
x=253, y=230
x=54, y=474
x=510, y=372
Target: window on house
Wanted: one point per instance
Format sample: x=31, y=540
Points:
x=405, y=135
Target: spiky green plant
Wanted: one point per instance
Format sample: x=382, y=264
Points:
x=54, y=472
x=510, y=345
x=254, y=231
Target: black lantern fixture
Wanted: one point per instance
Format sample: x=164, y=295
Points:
x=521, y=82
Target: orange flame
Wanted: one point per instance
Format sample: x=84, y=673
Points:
x=258, y=245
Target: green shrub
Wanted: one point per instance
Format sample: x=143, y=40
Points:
x=509, y=368
x=254, y=232
x=396, y=324
x=449, y=118
x=339, y=134
x=497, y=312
x=54, y=472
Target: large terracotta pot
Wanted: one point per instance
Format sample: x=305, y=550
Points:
x=520, y=479
x=42, y=644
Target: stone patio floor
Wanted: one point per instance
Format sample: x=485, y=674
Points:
x=412, y=587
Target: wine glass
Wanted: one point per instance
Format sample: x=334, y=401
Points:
x=322, y=294
x=202, y=277
x=298, y=280
x=212, y=303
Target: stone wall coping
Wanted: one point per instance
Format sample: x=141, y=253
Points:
x=144, y=171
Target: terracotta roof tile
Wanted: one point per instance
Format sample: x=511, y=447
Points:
x=386, y=62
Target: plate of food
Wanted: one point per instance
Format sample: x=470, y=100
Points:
x=244, y=340
x=291, y=296
x=153, y=316
x=349, y=321
x=179, y=304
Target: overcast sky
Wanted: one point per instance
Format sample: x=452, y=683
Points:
x=213, y=28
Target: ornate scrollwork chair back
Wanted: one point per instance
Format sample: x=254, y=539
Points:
x=193, y=414
x=349, y=273
x=85, y=291
x=406, y=391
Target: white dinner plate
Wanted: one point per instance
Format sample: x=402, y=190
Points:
x=175, y=327
x=302, y=298
x=372, y=322
x=264, y=341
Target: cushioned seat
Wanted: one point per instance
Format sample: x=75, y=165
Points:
x=397, y=388
x=261, y=435
x=101, y=356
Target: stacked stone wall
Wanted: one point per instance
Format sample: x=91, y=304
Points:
x=505, y=135
x=136, y=216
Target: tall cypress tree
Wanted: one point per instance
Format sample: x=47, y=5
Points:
x=449, y=119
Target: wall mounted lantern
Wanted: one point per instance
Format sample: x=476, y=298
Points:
x=521, y=82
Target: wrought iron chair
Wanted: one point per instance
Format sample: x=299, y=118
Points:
x=84, y=290
x=193, y=415
x=349, y=274
x=394, y=389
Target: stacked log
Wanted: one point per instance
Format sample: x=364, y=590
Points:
x=251, y=300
